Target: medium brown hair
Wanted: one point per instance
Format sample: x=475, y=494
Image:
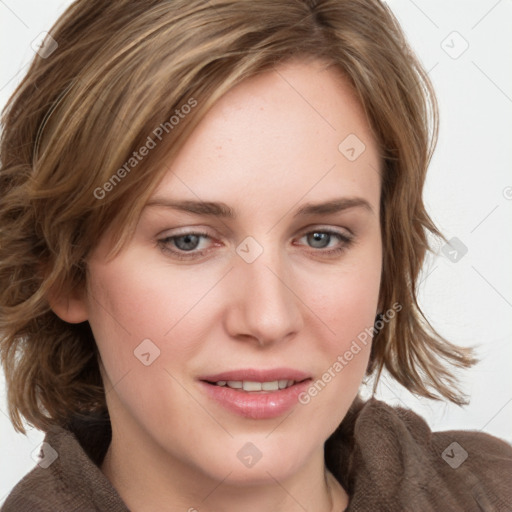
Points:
x=122, y=69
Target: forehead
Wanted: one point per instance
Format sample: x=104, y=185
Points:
x=294, y=129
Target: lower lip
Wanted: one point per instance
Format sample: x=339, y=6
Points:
x=256, y=405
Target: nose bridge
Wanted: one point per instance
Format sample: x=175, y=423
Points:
x=268, y=307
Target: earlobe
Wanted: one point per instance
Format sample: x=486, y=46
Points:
x=70, y=308
x=68, y=304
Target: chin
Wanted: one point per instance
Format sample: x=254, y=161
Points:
x=256, y=462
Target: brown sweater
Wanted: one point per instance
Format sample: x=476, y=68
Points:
x=385, y=457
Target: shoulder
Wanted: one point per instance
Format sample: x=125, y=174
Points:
x=41, y=490
x=475, y=463
x=407, y=463
x=452, y=449
x=471, y=465
x=64, y=480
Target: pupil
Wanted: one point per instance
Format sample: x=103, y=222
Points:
x=190, y=242
x=319, y=240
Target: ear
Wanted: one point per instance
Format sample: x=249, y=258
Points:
x=69, y=306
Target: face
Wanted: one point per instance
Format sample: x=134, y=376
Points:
x=278, y=290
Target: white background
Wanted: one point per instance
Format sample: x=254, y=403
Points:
x=468, y=194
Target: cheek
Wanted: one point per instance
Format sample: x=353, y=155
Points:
x=130, y=303
x=140, y=301
x=348, y=306
x=347, y=301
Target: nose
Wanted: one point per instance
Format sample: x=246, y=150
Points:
x=263, y=306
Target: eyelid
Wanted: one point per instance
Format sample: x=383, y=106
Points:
x=185, y=230
x=326, y=228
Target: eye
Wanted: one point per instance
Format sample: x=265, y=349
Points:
x=322, y=238
x=185, y=245
x=319, y=239
x=187, y=242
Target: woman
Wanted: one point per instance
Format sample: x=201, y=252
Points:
x=212, y=231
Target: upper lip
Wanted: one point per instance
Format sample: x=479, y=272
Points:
x=258, y=375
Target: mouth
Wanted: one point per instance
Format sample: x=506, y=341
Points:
x=249, y=386
x=256, y=394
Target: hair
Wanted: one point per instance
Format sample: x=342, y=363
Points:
x=121, y=70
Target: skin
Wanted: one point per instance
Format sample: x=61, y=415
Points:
x=269, y=146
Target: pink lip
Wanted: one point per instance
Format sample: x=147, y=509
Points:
x=260, y=404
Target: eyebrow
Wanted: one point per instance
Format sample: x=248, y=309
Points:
x=198, y=207
x=334, y=206
x=218, y=209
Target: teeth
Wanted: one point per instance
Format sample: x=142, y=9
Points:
x=270, y=386
x=283, y=384
x=248, y=385
x=251, y=386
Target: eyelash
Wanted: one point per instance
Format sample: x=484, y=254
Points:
x=163, y=243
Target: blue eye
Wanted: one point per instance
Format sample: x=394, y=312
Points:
x=321, y=239
x=187, y=242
